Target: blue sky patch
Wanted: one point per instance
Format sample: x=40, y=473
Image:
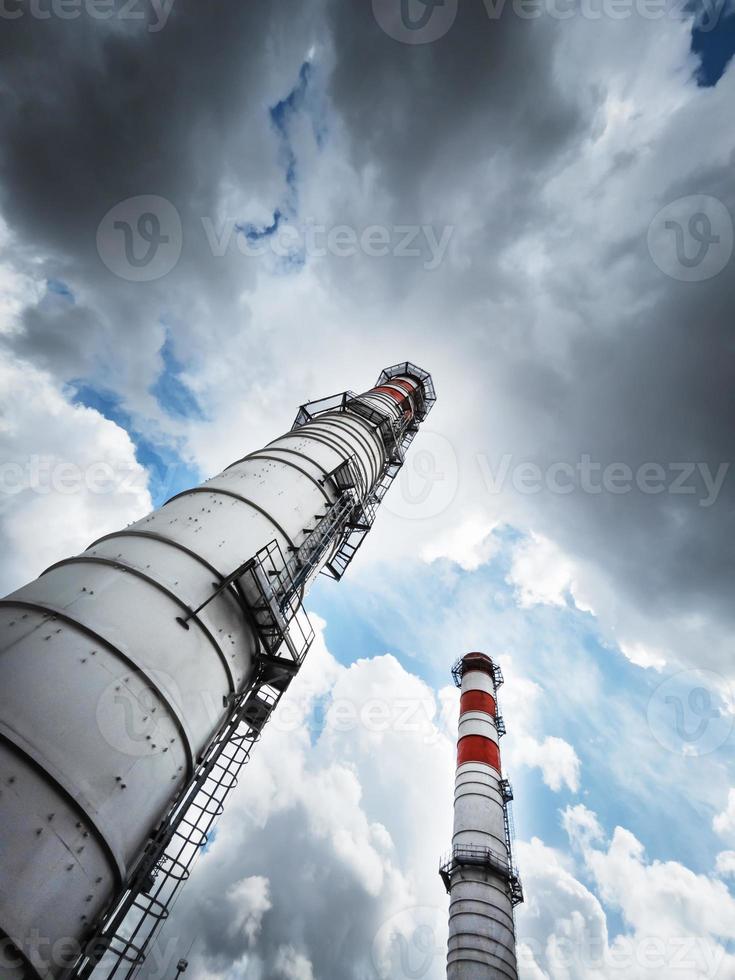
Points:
x=347, y=636
x=168, y=472
x=290, y=261
x=590, y=695
x=171, y=393
x=281, y=114
x=59, y=288
x=255, y=234
x=715, y=48
x=300, y=98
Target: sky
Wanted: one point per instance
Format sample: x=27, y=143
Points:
x=211, y=214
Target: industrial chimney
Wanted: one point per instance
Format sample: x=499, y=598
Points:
x=479, y=874
x=136, y=677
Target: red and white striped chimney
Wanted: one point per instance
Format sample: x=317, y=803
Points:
x=479, y=874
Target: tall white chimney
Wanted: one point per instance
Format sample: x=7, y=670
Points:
x=479, y=875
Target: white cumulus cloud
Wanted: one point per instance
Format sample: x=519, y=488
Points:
x=67, y=474
x=724, y=823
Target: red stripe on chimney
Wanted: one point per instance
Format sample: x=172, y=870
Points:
x=406, y=385
x=477, y=748
x=477, y=701
x=385, y=390
x=477, y=661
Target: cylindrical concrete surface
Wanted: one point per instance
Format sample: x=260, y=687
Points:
x=481, y=928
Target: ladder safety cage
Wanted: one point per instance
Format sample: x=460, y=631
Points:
x=458, y=669
x=426, y=393
x=310, y=410
x=509, y=828
x=506, y=790
x=396, y=437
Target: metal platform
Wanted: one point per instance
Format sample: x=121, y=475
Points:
x=427, y=391
x=483, y=858
x=396, y=439
x=458, y=669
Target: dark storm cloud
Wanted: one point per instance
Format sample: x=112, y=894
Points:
x=95, y=112
x=659, y=390
x=463, y=131
x=653, y=384
x=646, y=372
x=428, y=114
